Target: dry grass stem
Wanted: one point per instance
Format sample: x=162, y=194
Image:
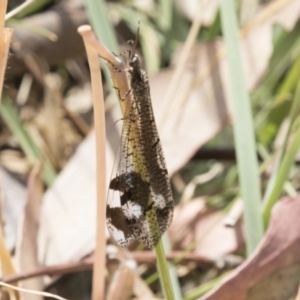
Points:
x=182, y=63
x=45, y=294
x=5, y=42
x=26, y=252
x=7, y=267
x=116, y=66
x=99, y=119
x=5, y=36
x=3, y=7
x=266, y=14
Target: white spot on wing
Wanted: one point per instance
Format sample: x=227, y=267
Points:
x=159, y=200
x=119, y=237
x=132, y=210
x=117, y=234
x=115, y=200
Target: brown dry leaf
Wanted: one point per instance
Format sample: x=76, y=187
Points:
x=26, y=249
x=141, y=289
x=6, y=263
x=204, y=108
x=72, y=200
x=198, y=112
x=195, y=222
x=68, y=215
x=121, y=286
x=13, y=198
x=273, y=271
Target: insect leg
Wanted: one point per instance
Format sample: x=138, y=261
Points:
x=126, y=118
x=119, y=94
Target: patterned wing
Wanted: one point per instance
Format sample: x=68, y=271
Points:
x=140, y=203
x=129, y=189
x=161, y=194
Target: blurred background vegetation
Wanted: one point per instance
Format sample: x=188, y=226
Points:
x=46, y=114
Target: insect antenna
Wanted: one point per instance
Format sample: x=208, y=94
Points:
x=135, y=42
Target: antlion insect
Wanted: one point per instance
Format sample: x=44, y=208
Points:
x=140, y=203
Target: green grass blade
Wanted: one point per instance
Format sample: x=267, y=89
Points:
x=12, y=120
x=295, y=107
x=280, y=180
x=204, y=288
x=284, y=50
x=165, y=12
x=172, y=269
x=27, y=8
x=243, y=130
x=98, y=16
x=281, y=171
x=291, y=80
x=42, y=31
x=272, y=181
x=163, y=270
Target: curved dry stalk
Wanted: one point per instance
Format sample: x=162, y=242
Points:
x=116, y=66
x=99, y=119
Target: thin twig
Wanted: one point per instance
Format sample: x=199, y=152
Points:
x=31, y=291
x=140, y=257
x=50, y=271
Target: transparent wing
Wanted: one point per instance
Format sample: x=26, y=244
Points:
x=129, y=189
x=140, y=203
